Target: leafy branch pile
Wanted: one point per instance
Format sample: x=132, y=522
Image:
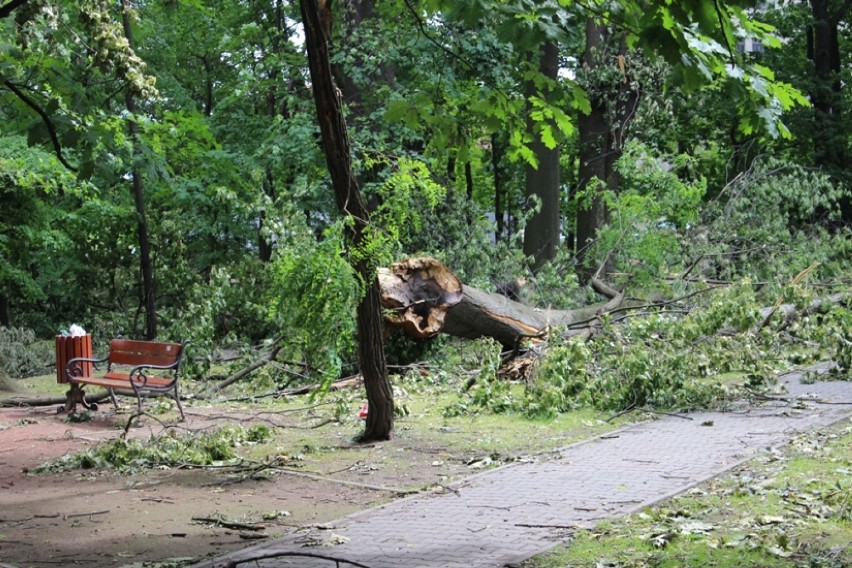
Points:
x=719, y=351
x=167, y=450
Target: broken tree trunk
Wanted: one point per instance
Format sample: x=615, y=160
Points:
x=423, y=297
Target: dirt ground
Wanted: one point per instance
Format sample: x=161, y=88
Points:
x=100, y=518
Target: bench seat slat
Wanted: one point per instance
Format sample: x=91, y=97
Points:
x=122, y=381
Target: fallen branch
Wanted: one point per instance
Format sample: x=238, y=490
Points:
x=244, y=372
x=336, y=385
x=535, y=526
x=396, y=490
x=93, y=513
x=219, y=522
x=235, y=563
x=798, y=278
x=16, y=402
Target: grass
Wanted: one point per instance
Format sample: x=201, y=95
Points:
x=789, y=508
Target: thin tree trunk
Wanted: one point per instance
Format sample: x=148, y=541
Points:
x=496, y=156
x=317, y=18
x=148, y=285
x=264, y=244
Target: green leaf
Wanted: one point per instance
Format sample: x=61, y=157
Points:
x=547, y=137
x=396, y=110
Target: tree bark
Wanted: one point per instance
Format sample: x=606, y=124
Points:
x=541, y=235
x=423, y=297
x=5, y=315
x=317, y=19
x=499, y=199
x=148, y=285
x=830, y=130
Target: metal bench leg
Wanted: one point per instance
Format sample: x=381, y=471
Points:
x=114, y=399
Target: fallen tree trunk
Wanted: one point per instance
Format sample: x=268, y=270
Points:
x=423, y=297
x=483, y=314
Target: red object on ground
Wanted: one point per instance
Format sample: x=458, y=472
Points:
x=362, y=414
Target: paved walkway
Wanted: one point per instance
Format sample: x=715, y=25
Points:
x=509, y=514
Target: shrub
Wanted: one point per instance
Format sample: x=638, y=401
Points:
x=21, y=355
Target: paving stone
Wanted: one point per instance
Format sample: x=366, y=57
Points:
x=502, y=516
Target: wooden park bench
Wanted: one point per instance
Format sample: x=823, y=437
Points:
x=137, y=368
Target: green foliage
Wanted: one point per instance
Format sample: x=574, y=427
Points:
x=768, y=224
x=779, y=196
x=167, y=450
x=561, y=380
x=408, y=197
x=665, y=361
x=833, y=332
x=660, y=360
x=555, y=284
x=316, y=295
x=648, y=214
x=21, y=355
x=488, y=392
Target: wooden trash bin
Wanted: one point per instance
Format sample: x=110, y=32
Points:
x=67, y=348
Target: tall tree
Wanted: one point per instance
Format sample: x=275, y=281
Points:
x=147, y=267
x=317, y=19
x=543, y=230
x=831, y=128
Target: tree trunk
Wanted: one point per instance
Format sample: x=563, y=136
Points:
x=602, y=134
x=148, y=293
x=496, y=156
x=317, y=19
x=541, y=235
x=483, y=314
x=264, y=243
x=830, y=131
x=5, y=315
x=423, y=297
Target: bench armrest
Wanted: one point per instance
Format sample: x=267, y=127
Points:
x=73, y=368
x=139, y=377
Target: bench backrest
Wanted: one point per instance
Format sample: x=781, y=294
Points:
x=131, y=353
